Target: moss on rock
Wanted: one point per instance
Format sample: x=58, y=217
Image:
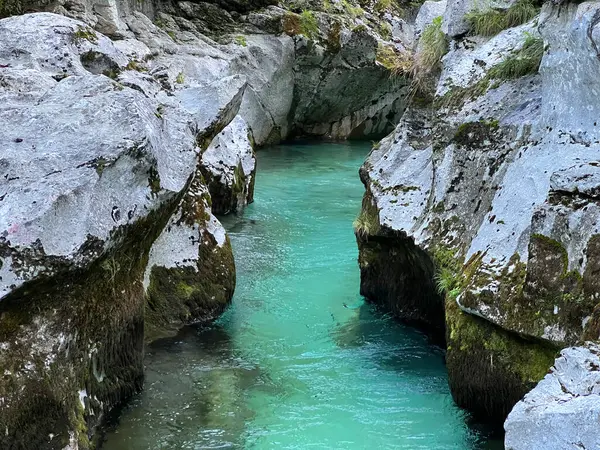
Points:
x=184, y=295
x=490, y=369
x=91, y=356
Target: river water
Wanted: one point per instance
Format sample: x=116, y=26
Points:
x=299, y=361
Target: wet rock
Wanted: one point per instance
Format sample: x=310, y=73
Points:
x=563, y=410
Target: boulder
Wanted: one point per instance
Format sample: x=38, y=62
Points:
x=563, y=410
x=93, y=171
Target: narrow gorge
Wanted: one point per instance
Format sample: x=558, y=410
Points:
x=171, y=276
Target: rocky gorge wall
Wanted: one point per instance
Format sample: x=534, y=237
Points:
x=480, y=217
x=125, y=127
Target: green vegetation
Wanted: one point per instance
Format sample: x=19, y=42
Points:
x=434, y=45
x=354, y=11
x=135, y=65
x=489, y=21
x=308, y=25
x=180, y=78
x=398, y=63
x=241, y=40
x=10, y=8
x=525, y=61
x=385, y=30
x=85, y=33
x=367, y=222
x=382, y=5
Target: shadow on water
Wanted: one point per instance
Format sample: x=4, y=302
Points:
x=401, y=348
x=193, y=378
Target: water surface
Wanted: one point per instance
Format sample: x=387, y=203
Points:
x=299, y=361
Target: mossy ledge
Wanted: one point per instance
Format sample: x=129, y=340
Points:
x=490, y=369
x=398, y=276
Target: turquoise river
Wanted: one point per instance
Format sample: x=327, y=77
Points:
x=299, y=361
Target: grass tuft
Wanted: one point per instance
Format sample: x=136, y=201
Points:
x=524, y=62
x=398, y=63
x=367, y=222
x=489, y=21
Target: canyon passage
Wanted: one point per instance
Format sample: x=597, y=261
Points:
x=299, y=360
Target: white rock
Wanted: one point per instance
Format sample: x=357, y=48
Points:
x=563, y=410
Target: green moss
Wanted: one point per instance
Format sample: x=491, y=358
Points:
x=489, y=22
x=489, y=368
x=476, y=134
x=96, y=314
x=183, y=295
x=135, y=65
x=85, y=33
x=180, y=78
x=241, y=40
x=555, y=246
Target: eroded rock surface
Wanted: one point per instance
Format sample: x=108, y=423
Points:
x=493, y=182
x=563, y=410
x=93, y=170
x=229, y=168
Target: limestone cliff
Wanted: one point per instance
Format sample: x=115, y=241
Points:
x=480, y=217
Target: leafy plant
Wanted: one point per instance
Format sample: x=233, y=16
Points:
x=180, y=78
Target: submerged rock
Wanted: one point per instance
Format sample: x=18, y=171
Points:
x=564, y=408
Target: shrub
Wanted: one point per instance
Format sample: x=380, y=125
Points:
x=241, y=40
x=489, y=21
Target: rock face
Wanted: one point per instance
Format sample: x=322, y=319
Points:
x=94, y=169
x=563, y=410
x=481, y=209
x=229, y=166
x=316, y=73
